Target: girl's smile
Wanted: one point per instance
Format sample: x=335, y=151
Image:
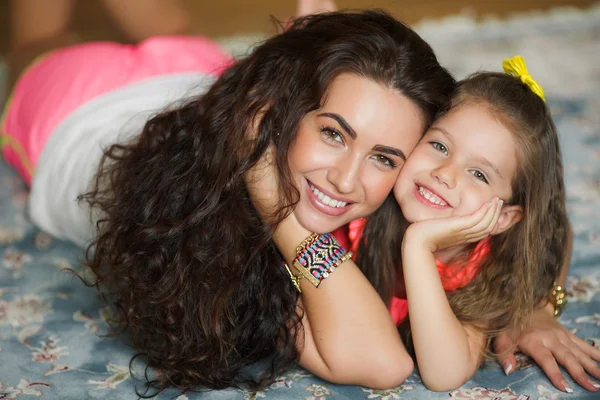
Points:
x=429, y=197
x=467, y=158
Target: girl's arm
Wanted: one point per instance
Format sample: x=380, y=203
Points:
x=448, y=353
x=349, y=335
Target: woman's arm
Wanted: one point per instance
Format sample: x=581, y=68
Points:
x=551, y=344
x=349, y=336
x=447, y=352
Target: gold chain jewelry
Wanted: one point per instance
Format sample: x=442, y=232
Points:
x=295, y=278
x=558, y=298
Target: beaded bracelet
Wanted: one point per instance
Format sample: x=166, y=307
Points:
x=317, y=257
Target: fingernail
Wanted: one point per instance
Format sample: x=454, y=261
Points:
x=567, y=387
x=594, y=384
x=500, y=202
x=507, y=367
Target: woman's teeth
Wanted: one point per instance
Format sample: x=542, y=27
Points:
x=431, y=197
x=328, y=200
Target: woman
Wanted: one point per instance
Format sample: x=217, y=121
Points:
x=179, y=247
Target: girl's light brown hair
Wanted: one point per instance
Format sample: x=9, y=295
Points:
x=519, y=271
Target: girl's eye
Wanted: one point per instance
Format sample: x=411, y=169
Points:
x=479, y=175
x=440, y=147
x=332, y=135
x=385, y=161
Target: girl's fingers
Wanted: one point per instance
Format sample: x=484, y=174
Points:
x=482, y=225
x=468, y=223
x=497, y=213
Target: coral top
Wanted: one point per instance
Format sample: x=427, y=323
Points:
x=453, y=276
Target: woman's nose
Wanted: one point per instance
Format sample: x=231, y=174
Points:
x=345, y=174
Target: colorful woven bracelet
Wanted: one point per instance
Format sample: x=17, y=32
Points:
x=317, y=257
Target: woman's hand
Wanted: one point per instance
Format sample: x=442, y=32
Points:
x=441, y=233
x=550, y=344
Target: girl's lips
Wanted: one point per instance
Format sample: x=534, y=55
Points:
x=428, y=203
x=326, y=208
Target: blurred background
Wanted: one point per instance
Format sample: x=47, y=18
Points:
x=92, y=21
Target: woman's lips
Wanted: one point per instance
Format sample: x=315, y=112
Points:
x=328, y=209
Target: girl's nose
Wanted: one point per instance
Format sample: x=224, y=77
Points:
x=445, y=174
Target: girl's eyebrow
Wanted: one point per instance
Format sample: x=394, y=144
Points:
x=481, y=160
x=486, y=162
x=445, y=132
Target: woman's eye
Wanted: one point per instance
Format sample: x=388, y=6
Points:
x=332, y=135
x=479, y=175
x=440, y=147
x=383, y=160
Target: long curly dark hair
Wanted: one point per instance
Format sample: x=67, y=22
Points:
x=517, y=274
x=180, y=251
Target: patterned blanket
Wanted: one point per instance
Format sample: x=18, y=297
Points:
x=51, y=325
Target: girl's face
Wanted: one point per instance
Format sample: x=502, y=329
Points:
x=347, y=155
x=466, y=159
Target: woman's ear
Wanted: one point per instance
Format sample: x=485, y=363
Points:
x=509, y=216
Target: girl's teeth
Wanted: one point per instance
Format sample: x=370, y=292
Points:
x=431, y=197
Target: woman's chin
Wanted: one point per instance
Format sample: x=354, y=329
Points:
x=319, y=223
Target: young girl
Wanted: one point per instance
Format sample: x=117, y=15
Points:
x=176, y=243
x=484, y=193
x=495, y=145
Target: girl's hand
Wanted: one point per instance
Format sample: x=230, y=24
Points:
x=441, y=233
x=551, y=344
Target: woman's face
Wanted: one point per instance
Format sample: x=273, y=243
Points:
x=466, y=159
x=348, y=153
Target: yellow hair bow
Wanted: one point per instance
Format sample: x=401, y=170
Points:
x=516, y=66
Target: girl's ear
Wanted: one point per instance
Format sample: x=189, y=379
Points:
x=509, y=216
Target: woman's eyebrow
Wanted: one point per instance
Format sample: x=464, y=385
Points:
x=340, y=120
x=346, y=126
x=390, y=150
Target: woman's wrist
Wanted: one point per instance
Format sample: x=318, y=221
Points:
x=288, y=234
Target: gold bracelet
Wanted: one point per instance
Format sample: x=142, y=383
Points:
x=558, y=298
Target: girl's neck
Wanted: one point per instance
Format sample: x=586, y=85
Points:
x=446, y=256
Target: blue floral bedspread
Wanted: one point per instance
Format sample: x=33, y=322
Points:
x=51, y=325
